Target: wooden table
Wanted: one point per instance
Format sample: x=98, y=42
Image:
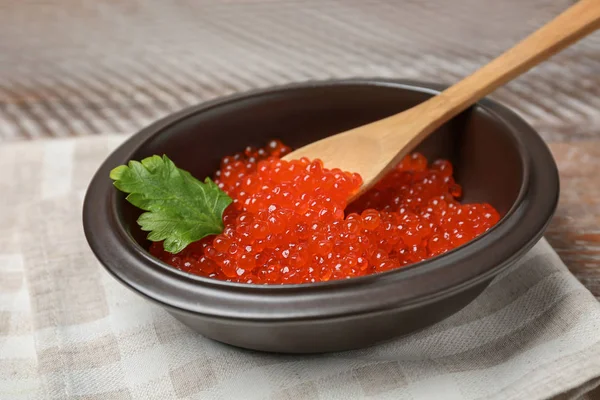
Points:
x=85, y=67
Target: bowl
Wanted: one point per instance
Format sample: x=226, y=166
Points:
x=498, y=159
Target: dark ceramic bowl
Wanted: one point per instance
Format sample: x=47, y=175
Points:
x=499, y=159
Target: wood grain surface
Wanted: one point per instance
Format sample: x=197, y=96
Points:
x=82, y=67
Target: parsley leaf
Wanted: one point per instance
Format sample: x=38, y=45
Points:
x=180, y=208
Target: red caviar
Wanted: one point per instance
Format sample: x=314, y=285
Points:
x=289, y=222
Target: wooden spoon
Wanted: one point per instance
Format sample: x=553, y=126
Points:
x=372, y=149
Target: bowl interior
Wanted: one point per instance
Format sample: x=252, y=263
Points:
x=486, y=158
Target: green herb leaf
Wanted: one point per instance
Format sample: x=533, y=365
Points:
x=180, y=208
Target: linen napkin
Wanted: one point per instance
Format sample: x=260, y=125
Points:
x=69, y=330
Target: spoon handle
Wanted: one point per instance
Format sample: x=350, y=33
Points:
x=573, y=24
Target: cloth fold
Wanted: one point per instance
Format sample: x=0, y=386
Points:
x=69, y=330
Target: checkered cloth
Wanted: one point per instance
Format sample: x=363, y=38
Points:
x=69, y=330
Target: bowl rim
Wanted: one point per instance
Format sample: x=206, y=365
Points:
x=125, y=259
